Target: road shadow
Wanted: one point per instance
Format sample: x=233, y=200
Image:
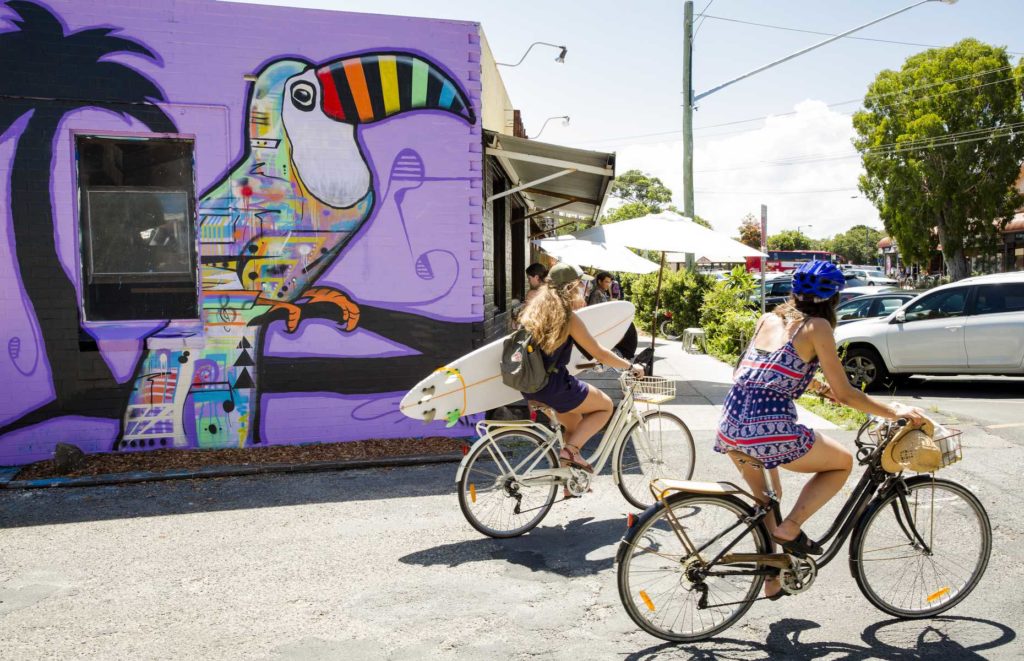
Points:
x=37, y=507
x=941, y=637
x=561, y=550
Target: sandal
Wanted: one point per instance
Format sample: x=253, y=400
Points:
x=801, y=546
x=570, y=455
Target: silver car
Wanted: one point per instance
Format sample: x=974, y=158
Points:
x=974, y=326
x=869, y=276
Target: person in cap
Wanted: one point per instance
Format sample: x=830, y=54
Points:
x=759, y=416
x=582, y=409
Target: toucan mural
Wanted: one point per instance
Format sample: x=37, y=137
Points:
x=282, y=215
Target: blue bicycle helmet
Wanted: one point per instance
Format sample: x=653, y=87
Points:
x=821, y=280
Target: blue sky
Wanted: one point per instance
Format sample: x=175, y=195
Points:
x=622, y=80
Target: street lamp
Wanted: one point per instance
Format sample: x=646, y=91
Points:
x=799, y=226
x=565, y=122
x=560, y=59
x=689, y=99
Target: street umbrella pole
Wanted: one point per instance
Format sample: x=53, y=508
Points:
x=653, y=327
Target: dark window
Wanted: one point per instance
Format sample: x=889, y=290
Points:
x=499, y=221
x=948, y=303
x=853, y=310
x=1001, y=297
x=138, y=228
x=519, y=224
x=888, y=305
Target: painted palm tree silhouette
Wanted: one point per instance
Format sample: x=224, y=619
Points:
x=49, y=73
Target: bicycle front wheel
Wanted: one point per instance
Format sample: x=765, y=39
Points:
x=492, y=493
x=661, y=584
x=892, y=567
x=660, y=445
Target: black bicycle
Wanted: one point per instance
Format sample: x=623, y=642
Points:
x=693, y=563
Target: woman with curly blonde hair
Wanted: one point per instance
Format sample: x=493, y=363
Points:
x=582, y=409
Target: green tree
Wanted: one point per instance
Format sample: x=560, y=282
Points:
x=640, y=194
x=941, y=144
x=637, y=186
x=858, y=245
x=790, y=240
x=750, y=231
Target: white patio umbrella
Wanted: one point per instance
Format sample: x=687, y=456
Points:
x=666, y=232
x=604, y=256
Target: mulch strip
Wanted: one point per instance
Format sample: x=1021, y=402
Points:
x=166, y=460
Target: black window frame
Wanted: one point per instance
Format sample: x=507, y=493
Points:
x=152, y=295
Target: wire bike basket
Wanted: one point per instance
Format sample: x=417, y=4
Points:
x=649, y=389
x=946, y=439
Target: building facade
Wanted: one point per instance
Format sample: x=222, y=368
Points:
x=230, y=225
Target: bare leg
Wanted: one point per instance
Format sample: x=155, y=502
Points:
x=755, y=480
x=595, y=411
x=831, y=463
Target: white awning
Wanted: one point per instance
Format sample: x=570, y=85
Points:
x=552, y=178
x=597, y=255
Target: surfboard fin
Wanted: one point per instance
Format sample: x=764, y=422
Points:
x=428, y=416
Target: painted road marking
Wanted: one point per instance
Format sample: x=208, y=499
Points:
x=1006, y=426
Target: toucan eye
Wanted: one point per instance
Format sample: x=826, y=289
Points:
x=303, y=96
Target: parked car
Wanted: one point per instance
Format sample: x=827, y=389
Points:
x=776, y=291
x=872, y=305
x=974, y=326
x=851, y=292
x=868, y=276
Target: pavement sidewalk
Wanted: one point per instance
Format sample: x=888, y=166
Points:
x=702, y=383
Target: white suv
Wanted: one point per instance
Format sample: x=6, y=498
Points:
x=869, y=276
x=974, y=326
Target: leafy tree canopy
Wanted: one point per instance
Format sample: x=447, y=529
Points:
x=941, y=142
x=637, y=186
x=750, y=231
x=858, y=245
x=791, y=240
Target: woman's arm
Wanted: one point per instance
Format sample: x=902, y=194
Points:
x=821, y=334
x=579, y=332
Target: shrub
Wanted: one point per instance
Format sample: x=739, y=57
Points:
x=682, y=293
x=725, y=316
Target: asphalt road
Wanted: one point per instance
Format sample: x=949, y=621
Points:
x=379, y=564
x=995, y=404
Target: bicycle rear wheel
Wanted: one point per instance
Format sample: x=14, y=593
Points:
x=658, y=579
x=493, y=497
x=660, y=445
x=891, y=567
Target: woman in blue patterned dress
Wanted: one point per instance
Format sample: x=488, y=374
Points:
x=759, y=414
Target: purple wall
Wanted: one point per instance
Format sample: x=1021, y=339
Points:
x=273, y=358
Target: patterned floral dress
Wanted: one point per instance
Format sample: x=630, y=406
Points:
x=759, y=416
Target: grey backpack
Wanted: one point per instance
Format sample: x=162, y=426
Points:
x=522, y=365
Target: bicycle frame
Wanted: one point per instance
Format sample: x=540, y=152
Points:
x=625, y=415
x=874, y=486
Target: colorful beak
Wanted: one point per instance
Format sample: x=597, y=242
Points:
x=369, y=88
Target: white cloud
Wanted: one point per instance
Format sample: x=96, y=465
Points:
x=731, y=177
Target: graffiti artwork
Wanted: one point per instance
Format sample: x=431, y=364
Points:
x=282, y=215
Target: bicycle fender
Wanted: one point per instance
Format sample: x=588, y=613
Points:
x=465, y=457
x=643, y=517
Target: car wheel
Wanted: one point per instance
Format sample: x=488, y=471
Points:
x=864, y=368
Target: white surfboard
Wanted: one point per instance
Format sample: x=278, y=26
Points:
x=472, y=384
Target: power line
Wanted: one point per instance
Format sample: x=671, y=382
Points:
x=775, y=192
x=831, y=105
x=830, y=34
x=701, y=15
x=936, y=142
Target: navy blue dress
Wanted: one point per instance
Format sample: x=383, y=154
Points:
x=563, y=391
